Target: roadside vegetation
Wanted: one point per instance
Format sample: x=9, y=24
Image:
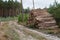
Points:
x=8, y=18
x=23, y=20
x=55, y=11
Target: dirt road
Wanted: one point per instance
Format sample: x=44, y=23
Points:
x=29, y=34
x=30, y=31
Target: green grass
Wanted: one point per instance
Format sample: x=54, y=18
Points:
x=8, y=18
x=19, y=18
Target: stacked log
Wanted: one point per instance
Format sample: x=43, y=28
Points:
x=40, y=18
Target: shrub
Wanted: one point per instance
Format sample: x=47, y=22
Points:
x=23, y=18
x=55, y=10
x=19, y=18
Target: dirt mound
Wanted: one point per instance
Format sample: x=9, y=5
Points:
x=40, y=18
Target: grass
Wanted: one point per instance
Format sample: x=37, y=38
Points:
x=9, y=32
x=12, y=34
x=8, y=18
x=19, y=18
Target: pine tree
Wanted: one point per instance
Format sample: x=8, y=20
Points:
x=1, y=3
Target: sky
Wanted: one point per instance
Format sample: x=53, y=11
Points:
x=38, y=3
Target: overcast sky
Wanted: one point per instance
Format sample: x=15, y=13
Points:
x=38, y=3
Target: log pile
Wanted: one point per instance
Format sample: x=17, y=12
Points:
x=40, y=18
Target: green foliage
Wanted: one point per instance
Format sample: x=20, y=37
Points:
x=9, y=4
x=25, y=17
x=1, y=3
x=55, y=10
x=27, y=10
x=20, y=18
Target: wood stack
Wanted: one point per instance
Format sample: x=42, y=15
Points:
x=40, y=18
